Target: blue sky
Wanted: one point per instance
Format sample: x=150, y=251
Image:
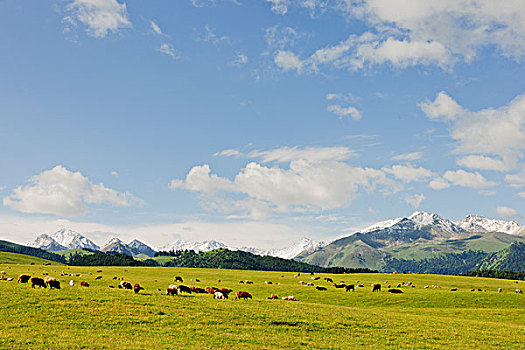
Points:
x=257, y=122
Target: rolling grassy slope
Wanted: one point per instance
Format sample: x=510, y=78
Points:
x=100, y=317
x=69, y=252
x=14, y=258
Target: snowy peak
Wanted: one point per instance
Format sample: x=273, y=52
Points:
x=474, y=223
x=305, y=245
x=204, y=246
x=115, y=245
x=435, y=221
x=139, y=248
x=64, y=239
x=381, y=225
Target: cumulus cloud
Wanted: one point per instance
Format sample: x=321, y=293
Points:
x=210, y=36
x=288, y=61
x=341, y=112
x=314, y=179
x=65, y=193
x=100, y=16
x=408, y=173
x=415, y=200
x=467, y=179
x=497, y=132
x=413, y=32
x=521, y=194
x=278, y=37
x=439, y=184
x=516, y=180
x=508, y=212
x=240, y=59
x=156, y=28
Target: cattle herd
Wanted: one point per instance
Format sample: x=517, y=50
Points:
x=224, y=293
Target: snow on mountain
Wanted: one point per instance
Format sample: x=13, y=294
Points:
x=46, y=242
x=203, y=246
x=295, y=249
x=115, y=245
x=141, y=248
x=474, y=223
x=381, y=225
x=64, y=239
x=435, y=221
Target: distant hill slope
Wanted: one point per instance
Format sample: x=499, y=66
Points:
x=22, y=259
x=6, y=246
x=234, y=259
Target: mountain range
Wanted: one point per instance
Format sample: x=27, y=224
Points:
x=420, y=235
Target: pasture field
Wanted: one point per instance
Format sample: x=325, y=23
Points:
x=100, y=317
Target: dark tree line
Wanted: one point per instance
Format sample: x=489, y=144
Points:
x=507, y=275
x=107, y=259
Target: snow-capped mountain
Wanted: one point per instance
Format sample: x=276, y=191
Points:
x=381, y=225
x=45, y=242
x=139, y=247
x=203, y=246
x=115, y=245
x=64, y=239
x=474, y=223
x=304, y=245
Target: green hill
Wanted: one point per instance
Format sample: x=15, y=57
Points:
x=6, y=246
x=15, y=258
x=68, y=253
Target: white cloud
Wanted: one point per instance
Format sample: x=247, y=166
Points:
x=408, y=157
x=62, y=192
x=288, y=61
x=507, y=212
x=467, y=179
x=100, y=16
x=341, y=112
x=439, y=184
x=305, y=186
x=498, y=132
x=408, y=173
x=229, y=153
x=202, y=3
x=114, y=173
x=211, y=37
x=521, y=194
x=279, y=7
x=415, y=200
x=277, y=37
x=168, y=49
x=156, y=28
x=482, y=162
x=239, y=59
x=288, y=154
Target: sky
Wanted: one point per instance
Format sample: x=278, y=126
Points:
x=256, y=123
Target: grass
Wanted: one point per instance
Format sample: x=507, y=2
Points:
x=69, y=252
x=101, y=317
x=14, y=258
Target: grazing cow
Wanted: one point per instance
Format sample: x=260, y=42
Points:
x=2, y=272
x=241, y=281
x=316, y=278
x=115, y=277
x=84, y=284
x=248, y=282
x=37, y=281
x=350, y=287
x=200, y=290
x=290, y=297
x=361, y=285
x=243, y=295
x=71, y=283
x=273, y=296
x=125, y=285
x=9, y=279
x=24, y=278
x=219, y=295
x=426, y=287
x=178, y=279
x=454, y=289
x=225, y=291
x=376, y=287
x=137, y=288
x=185, y=289
x=268, y=282
x=518, y=291
x=320, y=288
x=309, y=284
x=211, y=290
x=171, y=290
x=339, y=285
x=328, y=279
x=395, y=291
x=499, y=290
x=53, y=284
x=98, y=277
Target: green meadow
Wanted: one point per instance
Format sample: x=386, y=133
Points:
x=100, y=317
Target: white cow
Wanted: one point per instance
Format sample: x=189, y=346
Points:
x=218, y=295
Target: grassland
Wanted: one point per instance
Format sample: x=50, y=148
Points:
x=101, y=317
x=14, y=258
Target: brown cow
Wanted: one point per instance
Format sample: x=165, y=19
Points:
x=37, y=281
x=243, y=295
x=185, y=289
x=273, y=296
x=24, y=278
x=53, y=284
x=84, y=284
x=328, y=279
x=200, y=290
x=137, y=288
x=225, y=291
x=339, y=285
x=454, y=289
x=178, y=279
x=211, y=290
x=320, y=288
x=376, y=287
x=171, y=290
x=350, y=287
